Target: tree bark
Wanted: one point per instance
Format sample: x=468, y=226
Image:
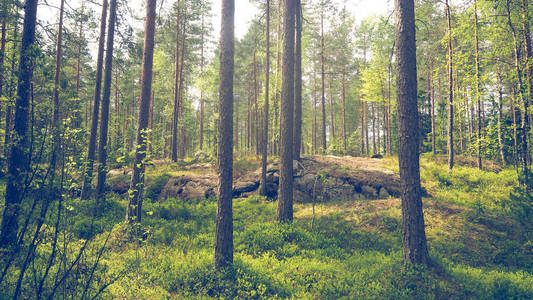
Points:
x=529, y=71
x=224, y=218
x=414, y=237
x=174, y=144
x=18, y=164
x=478, y=88
x=137, y=178
x=91, y=151
x=7, y=138
x=285, y=208
x=264, y=143
x=298, y=81
x=322, y=63
x=56, y=122
x=500, y=120
x=450, y=89
x=104, y=112
x=201, y=88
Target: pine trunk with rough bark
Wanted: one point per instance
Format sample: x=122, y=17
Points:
x=298, y=81
x=104, y=111
x=17, y=162
x=175, y=115
x=264, y=143
x=414, y=237
x=134, y=210
x=91, y=151
x=285, y=207
x=224, y=218
x=450, y=89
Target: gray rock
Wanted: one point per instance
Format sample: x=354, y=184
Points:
x=383, y=194
x=369, y=192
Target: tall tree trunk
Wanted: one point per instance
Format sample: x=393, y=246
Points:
x=91, y=151
x=343, y=113
x=18, y=156
x=285, y=209
x=104, y=112
x=529, y=71
x=201, y=88
x=7, y=139
x=332, y=108
x=478, y=88
x=315, y=125
x=137, y=178
x=322, y=62
x=500, y=120
x=414, y=237
x=521, y=93
x=264, y=143
x=2, y=55
x=224, y=218
x=56, y=122
x=373, y=128
x=175, y=113
x=180, y=86
x=450, y=89
x=365, y=117
x=432, y=109
x=298, y=81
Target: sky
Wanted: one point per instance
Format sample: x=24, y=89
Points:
x=244, y=11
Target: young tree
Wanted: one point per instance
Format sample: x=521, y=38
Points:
x=298, y=80
x=17, y=163
x=224, y=219
x=104, y=113
x=133, y=213
x=264, y=143
x=414, y=236
x=450, y=88
x=91, y=151
x=285, y=210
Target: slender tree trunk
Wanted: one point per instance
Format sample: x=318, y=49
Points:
x=7, y=139
x=137, y=178
x=322, y=62
x=414, y=237
x=332, y=108
x=180, y=86
x=520, y=93
x=224, y=218
x=264, y=143
x=151, y=117
x=285, y=209
x=91, y=151
x=529, y=72
x=365, y=115
x=17, y=162
x=174, y=144
x=450, y=89
x=201, y=88
x=478, y=88
x=500, y=120
x=432, y=109
x=343, y=113
x=373, y=128
x=2, y=55
x=56, y=122
x=298, y=81
x=104, y=112
x=315, y=125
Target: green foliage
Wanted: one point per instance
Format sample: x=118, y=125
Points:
x=156, y=186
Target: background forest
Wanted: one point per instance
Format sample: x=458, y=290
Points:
x=112, y=145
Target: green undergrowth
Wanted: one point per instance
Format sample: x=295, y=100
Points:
x=352, y=250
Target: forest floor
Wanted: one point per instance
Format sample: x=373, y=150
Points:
x=478, y=230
